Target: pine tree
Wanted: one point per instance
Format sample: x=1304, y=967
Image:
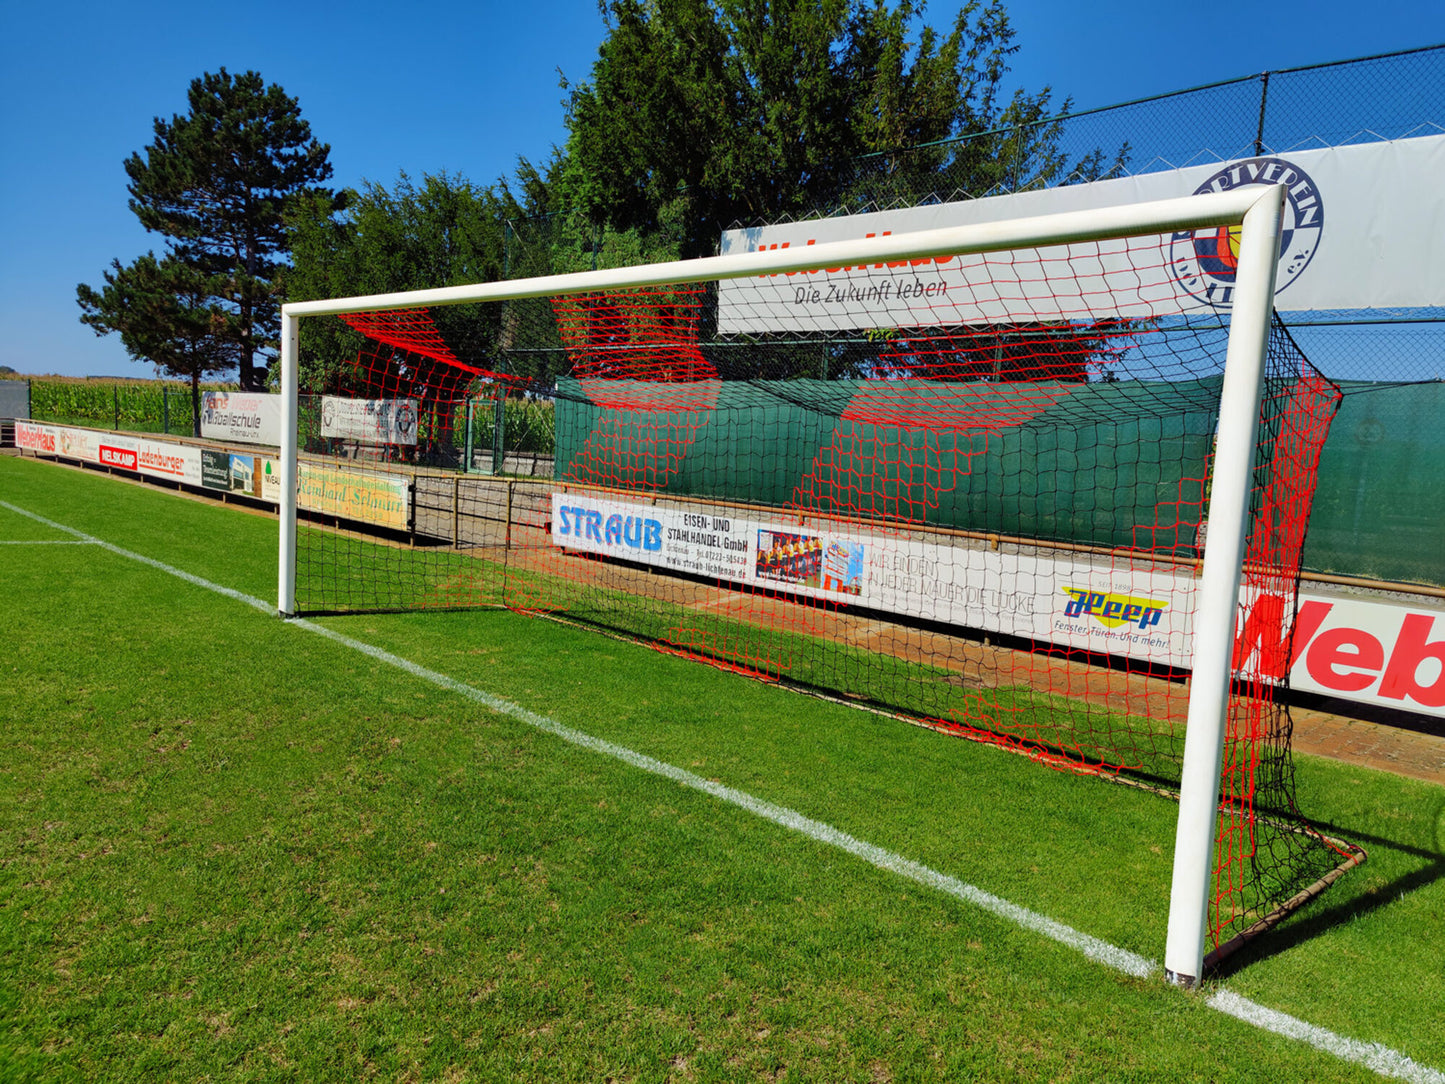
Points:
x=166, y=313
x=217, y=183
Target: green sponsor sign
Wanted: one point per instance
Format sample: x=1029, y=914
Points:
x=215, y=469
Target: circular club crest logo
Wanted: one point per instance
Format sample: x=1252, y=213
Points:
x=1205, y=261
x=406, y=421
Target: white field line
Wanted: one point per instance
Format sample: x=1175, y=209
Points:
x=1374, y=1056
x=1380, y=1059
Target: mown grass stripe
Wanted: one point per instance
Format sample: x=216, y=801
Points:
x=1120, y=959
x=1374, y=1056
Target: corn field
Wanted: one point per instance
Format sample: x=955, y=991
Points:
x=529, y=426
x=136, y=406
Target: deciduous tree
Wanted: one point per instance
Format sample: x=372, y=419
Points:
x=444, y=231
x=720, y=112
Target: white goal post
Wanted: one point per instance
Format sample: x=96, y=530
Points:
x=1256, y=211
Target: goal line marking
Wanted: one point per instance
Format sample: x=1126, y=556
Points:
x=1374, y=1056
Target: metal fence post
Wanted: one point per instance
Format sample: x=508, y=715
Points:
x=499, y=427
x=1259, y=128
x=467, y=440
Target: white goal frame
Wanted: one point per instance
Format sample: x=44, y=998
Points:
x=1258, y=212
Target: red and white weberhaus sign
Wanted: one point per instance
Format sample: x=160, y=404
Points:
x=1380, y=653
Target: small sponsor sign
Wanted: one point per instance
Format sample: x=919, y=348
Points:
x=373, y=421
x=270, y=480
x=215, y=469
x=41, y=439
x=177, y=462
x=383, y=499
x=243, y=474
x=111, y=456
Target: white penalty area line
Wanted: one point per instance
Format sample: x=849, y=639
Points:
x=1374, y=1056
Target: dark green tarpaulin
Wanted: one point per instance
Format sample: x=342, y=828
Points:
x=1115, y=464
x=1379, y=509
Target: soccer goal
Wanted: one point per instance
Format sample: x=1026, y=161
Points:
x=1029, y=481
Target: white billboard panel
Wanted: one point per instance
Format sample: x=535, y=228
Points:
x=1348, y=647
x=157, y=458
x=37, y=438
x=1359, y=233
x=1076, y=599
x=242, y=416
x=176, y=462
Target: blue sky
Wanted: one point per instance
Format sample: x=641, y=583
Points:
x=467, y=88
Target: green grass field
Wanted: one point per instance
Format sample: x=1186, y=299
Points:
x=232, y=849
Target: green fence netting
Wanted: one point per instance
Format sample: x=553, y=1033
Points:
x=1379, y=510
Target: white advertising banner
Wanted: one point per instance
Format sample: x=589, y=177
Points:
x=177, y=462
x=1361, y=231
x=242, y=416
x=1361, y=649
x=1066, y=598
x=156, y=458
x=40, y=439
x=375, y=421
x=1347, y=647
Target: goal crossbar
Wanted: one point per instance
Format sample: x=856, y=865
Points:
x=1128, y=220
